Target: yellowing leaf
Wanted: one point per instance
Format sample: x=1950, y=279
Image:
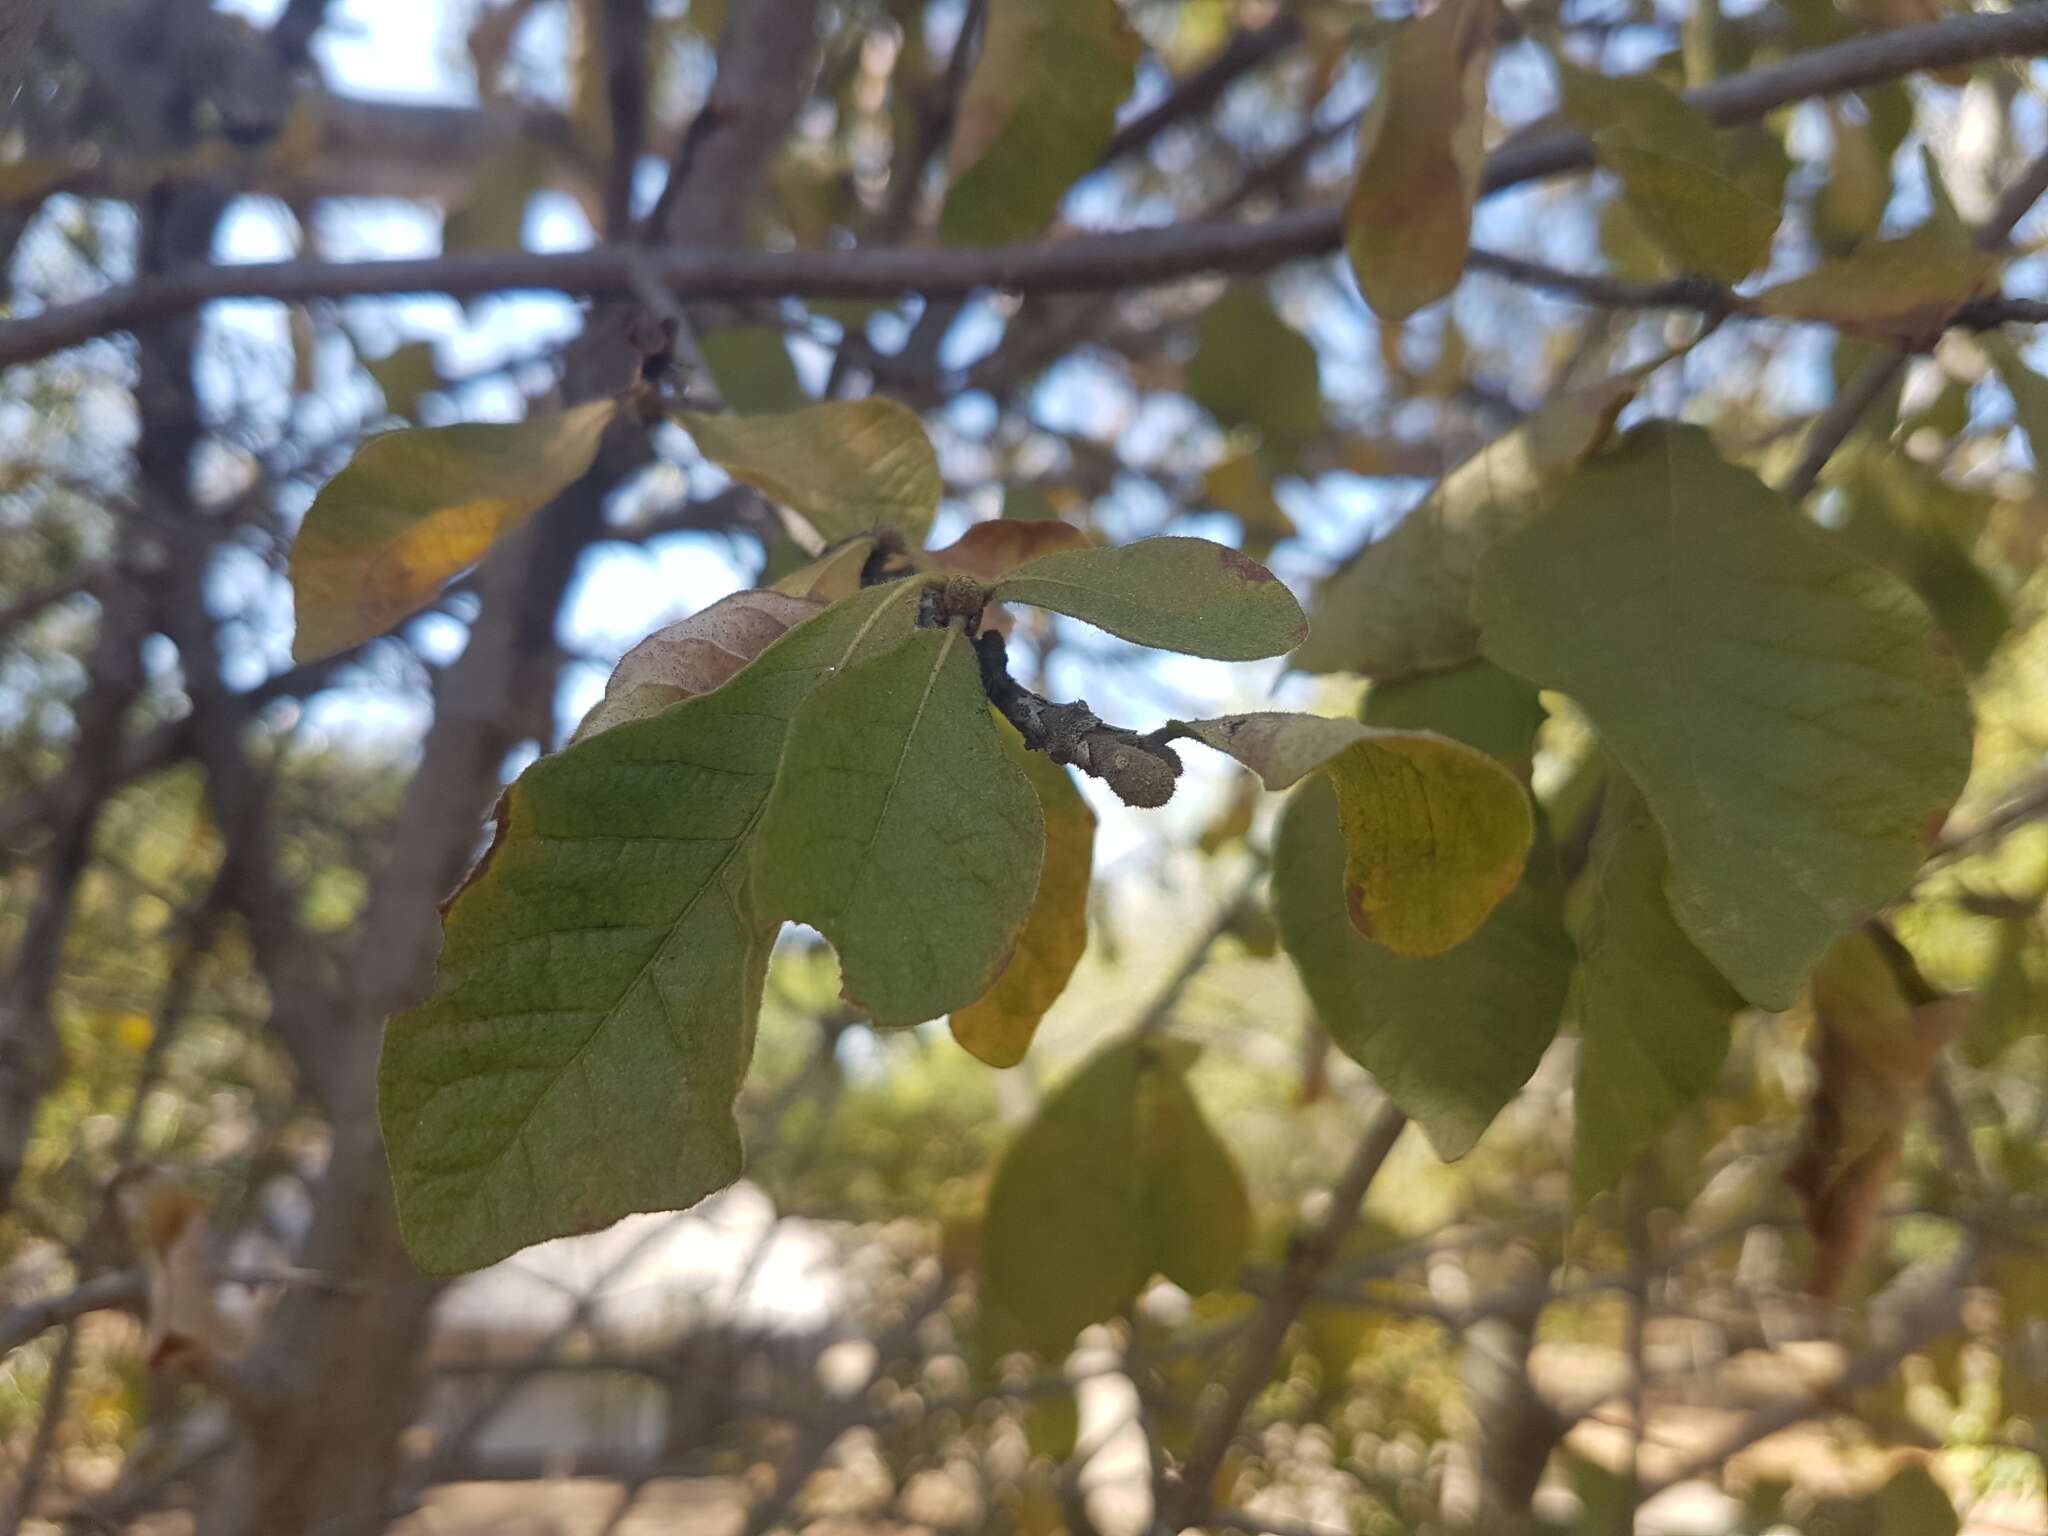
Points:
x=594, y=1005
x=1450, y=1037
x=1787, y=711
x=992, y=549
x=1036, y=115
x=1477, y=703
x=1435, y=833
x=902, y=831
x=1118, y=1178
x=1900, y=291
x=1402, y=604
x=997, y=1027
x=414, y=508
x=1253, y=369
x=1653, y=1013
x=1408, y=220
x=693, y=656
x=846, y=467
x=1171, y=594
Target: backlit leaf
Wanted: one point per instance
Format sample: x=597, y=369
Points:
x=693, y=656
x=997, y=1027
x=415, y=507
x=846, y=466
x=1673, y=171
x=1253, y=369
x=1036, y=115
x=902, y=831
x=1172, y=594
x=594, y=1006
x=1653, y=1013
x=1901, y=290
x=1408, y=220
x=1478, y=704
x=1117, y=1179
x=1403, y=603
x=1451, y=1037
x=751, y=366
x=1788, y=712
x=833, y=575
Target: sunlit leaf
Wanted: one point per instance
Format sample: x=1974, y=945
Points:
x=1173, y=594
x=1788, y=712
x=1653, y=1013
x=693, y=656
x=594, y=1006
x=1451, y=1037
x=997, y=1027
x=901, y=829
x=1036, y=115
x=1117, y=1179
x=846, y=467
x=414, y=508
x=1408, y=220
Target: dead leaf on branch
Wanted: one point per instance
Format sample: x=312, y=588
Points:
x=1877, y=1032
x=167, y=1225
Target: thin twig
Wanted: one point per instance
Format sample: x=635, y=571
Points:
x=1310, y=1257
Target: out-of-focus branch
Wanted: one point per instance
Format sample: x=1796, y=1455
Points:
x=1085, y=264
x=1195, y=1490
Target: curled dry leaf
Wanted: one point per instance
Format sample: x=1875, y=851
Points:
x=992, y=549
x=167, y=1225
x=694, y=655
x=1877, y=1030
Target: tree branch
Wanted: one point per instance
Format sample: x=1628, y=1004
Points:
x=1085, y=264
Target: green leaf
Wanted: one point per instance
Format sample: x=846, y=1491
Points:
x=1183, y=595
x=1902, y=514
x=492, y=215
x=1435, y=833
x=1117, y=1179
x=1674, y=172
x=2028, y=389
x=1402, y=604
x=600, y=974
x=1653, y=1013
x=1408, y=220
x=1253, y=369
x=1912, y=1503
x=846, y=466
x=1899, y=291
x=751, y=366
x=1037, y=113
x=1450, y=1037
x=416, y=507
x=997, y=1027
x=404, y=374
x=1478, y=704
x=835, y=574
x=1788, y=712
x=1242, y=485
x=902, y=831
x=693, y=656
